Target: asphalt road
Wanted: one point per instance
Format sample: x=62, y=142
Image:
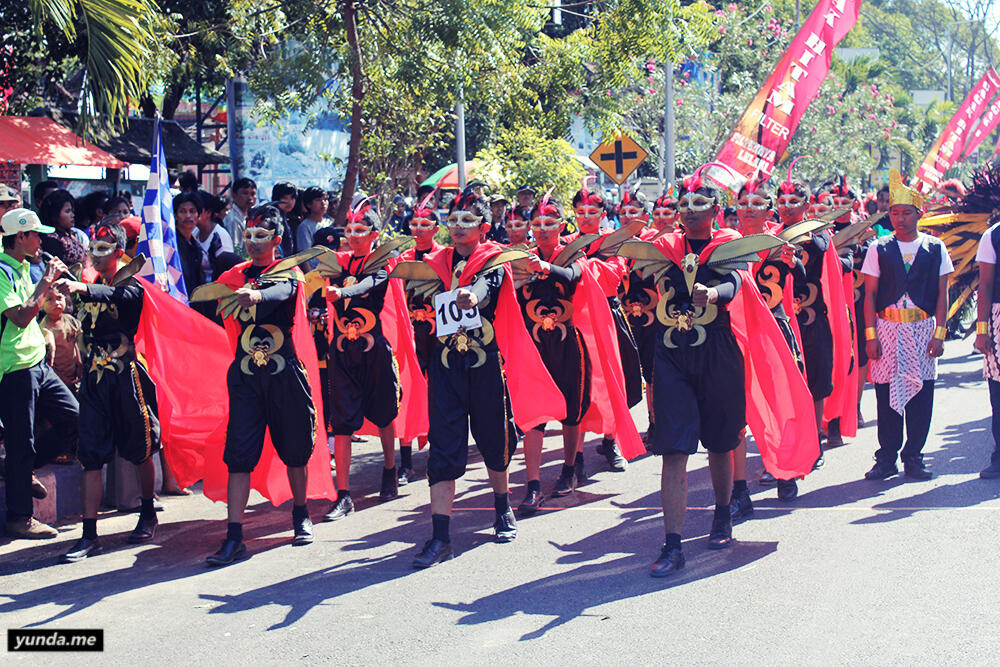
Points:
x=853, y=572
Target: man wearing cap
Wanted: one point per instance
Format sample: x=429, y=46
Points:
x=9, y=199
x=906, y=305
x=26, y=381
x=525, y=202
x=498, y=209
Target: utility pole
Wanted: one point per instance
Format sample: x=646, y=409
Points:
x=669, y=138
x=460, y=138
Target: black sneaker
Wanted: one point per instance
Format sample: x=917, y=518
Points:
x=390, y=485
x=532, y=501
x=505, y=527
x=882, y=471
x=84, y=548
x=609, y=450
x=340, y=509
x=992, y=471
x=230, y=552
x=404, y=476
x=916, y=468
x=144, y=530
x=581, y=474
x=741, y=507
x=671, y=561
x=303, y=531
x=788, y=490
x=820, y=461
x=721, y=536
x=767, y=479
x=434, y=551
x=566, y=483
x=833, y=437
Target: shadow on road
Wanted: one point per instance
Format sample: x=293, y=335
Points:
x=178, y=552
x=569, y=595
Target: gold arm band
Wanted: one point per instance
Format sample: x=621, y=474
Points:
x=940, y=333
x=982, y=327
x=870, y=333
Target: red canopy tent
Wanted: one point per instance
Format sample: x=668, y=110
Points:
x=39, y=140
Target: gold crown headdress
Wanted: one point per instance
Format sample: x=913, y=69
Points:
x=900, y=193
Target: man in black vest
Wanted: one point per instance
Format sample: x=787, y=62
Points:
x=906, y=302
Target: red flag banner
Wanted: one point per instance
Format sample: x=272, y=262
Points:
x=766, y=127
x=948, y=148
x=987, y=124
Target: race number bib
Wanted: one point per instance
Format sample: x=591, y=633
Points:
x=449, y=317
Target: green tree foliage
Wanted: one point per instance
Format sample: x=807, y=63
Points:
x=527, y=156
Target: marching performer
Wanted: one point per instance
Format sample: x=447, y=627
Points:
x=906, y=305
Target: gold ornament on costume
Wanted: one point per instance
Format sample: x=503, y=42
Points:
x=356, y=328
x=261, y=342
x=644, y=310
x=900, y=193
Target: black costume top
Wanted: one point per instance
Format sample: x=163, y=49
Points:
x=110, y=318
x=269, y=332
x=772, y=278
x=361, y=300
x=688, y=326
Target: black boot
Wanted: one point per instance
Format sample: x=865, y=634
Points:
x=390, y=485
x=741, y=507
x=609, y=450
x=341, y=508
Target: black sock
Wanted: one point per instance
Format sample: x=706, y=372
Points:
x=299, y=512
x=673, y=541
x=534, y=485
x=440, y=524
x=721, y=512
x=146, y=509
x=579, y=458
x=234, y=531
x=90, y=529
x=739, y=486
x=501, y=502
x=567, y=470
x=405, y=454
x=389, y=472
x=342, y=493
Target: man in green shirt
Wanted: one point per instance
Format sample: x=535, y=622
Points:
x=27, y=383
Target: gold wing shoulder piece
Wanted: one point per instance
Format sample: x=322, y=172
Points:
x=129, y=269
x=800, y=231
x=419, y=278
x=314, y=281
x=381, y=255
x=852, y=234
x=574, y=249
x=504, y=257
x=327, y=264
x=740, y=253
x=649, y=259
x=290, y=262
x=209, y=292
x=521, y=273
x=611, y=242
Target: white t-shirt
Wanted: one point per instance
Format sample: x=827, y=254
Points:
x=986, y=254
x=227, y=246
x=908, y=249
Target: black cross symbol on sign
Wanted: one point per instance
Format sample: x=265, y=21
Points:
x=619, y=156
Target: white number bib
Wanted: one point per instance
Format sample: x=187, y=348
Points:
x=449, y=317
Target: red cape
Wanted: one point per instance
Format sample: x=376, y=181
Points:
x=843, y=402
x=535, y=399
x=608, y=411
x=269, y=477
x=412, y=421
x=779, y=406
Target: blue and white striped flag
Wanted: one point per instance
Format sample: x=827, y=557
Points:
x=157, y=236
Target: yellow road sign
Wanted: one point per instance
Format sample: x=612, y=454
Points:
x=618, y=157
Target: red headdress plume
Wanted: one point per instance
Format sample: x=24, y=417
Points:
x=788, y=187
x=357, y=213
x=754, y=182
x=667, y=198
x=585, y=195
x=544, y=208
x=695, y=181
x=422, y=211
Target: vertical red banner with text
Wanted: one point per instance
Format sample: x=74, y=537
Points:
x=766, y=127
x=948, y=148
x=987, y=123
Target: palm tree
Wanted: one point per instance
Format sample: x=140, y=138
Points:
x=116, y=39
